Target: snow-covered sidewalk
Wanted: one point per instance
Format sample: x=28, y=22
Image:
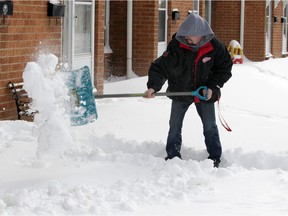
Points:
x=116, y=166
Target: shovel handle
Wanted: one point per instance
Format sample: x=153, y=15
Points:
x=196, y=93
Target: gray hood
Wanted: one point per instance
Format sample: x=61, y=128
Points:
x=194, y=25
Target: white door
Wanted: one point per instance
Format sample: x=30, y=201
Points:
x=78, y=34
x=268, y=28
x=284, y=29
x=162, y=26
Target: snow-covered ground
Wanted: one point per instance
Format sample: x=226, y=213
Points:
x=115, y=165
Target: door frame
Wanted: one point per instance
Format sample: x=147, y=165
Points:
x=68, y=37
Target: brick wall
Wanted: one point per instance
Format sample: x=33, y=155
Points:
x=144, y=38
x=145, y=35
x=99, y=70
x=28, y=34
x=225, y=20
x=116, y=62
x=255, y=28
x=183, y=7
x=276, y=45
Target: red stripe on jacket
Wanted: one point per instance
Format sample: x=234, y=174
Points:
x=201, y=52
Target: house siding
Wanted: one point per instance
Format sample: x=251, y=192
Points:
x=28, y=34
x=276, y=45
x=115, y=63
x=183, y=7
x=99, y=58
x=255, y=30
x=145, y=35
x=226, y=20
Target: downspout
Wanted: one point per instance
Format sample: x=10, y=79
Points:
x=242, y=24
x=107, y=48
x=209, y=12
x=129, y=72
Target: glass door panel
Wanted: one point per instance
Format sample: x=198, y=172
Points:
x=82, y=29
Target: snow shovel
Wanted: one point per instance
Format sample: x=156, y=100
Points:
x=196, y=93
x=83, y=107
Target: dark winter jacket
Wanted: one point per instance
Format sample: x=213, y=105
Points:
x=187, y=67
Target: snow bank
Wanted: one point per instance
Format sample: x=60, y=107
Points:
x=112, y=176
x=118, y=168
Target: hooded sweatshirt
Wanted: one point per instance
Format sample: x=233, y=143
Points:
x=186, y=66
x=194, y=25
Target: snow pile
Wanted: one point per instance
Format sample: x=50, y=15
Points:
x=49, y=92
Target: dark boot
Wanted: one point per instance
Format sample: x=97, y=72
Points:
x=216, y=161
x=169, y=157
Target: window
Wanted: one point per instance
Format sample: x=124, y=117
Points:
x=82, y=29
x=162, y=21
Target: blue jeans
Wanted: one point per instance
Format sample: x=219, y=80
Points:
x=206, y=111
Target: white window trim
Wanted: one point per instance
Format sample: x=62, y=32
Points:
x=284, y=46
x=268, y=31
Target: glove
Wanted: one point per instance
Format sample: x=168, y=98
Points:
x=212, y=94
x=208, y=93
x=149, y=93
